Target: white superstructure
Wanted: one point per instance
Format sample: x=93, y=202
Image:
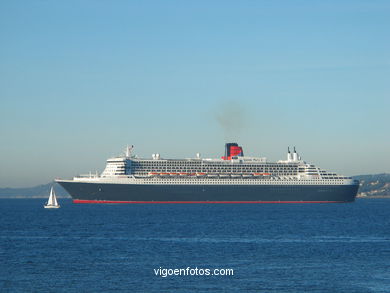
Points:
x=238, y=169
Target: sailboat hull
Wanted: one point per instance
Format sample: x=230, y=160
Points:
x=52, y=207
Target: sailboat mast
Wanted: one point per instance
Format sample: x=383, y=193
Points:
x=50, y=201
x=54, y=199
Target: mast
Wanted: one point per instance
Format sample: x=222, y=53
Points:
x=128, y=151
x=54, y=198
x=50, y=201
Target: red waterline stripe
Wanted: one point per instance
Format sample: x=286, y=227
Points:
x=112, y=201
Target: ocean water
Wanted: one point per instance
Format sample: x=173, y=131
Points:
x=269, y=247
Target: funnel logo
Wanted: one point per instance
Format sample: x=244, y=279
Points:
x=232, y=150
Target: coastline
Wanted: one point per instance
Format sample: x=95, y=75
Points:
x=373, y=196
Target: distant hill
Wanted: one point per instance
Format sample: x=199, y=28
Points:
x=34, y=192
x=374, y=185
x=370, y=186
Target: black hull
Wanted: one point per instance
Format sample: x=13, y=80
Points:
x=108, y=193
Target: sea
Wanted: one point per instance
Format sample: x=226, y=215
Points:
x=171, y=247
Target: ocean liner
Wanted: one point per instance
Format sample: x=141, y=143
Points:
x=233, y=178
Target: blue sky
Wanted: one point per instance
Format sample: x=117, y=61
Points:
x=81, y=79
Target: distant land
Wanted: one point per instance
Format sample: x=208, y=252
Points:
x=377, y=185
x=40, y=191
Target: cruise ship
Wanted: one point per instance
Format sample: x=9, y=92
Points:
x=233, y=178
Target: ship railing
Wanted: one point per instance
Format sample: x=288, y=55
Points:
x=87, y=176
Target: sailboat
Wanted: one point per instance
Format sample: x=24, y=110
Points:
x=52, y=202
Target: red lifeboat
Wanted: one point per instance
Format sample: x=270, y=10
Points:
x=200, y=174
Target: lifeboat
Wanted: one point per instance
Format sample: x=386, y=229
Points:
x=257, y=174
x=247, y=175
x=164, y=174
x=200, y=174
x=236, y=175
x=211, y=175
x=183, y=174
x=266, y=174
x=224, y=175
x=173, y=174
x=153, y=174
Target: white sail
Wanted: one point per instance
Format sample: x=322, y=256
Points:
x=52, y=201
x=54, y=198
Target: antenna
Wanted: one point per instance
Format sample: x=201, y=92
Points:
x=295, y=156
x=128, y=151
